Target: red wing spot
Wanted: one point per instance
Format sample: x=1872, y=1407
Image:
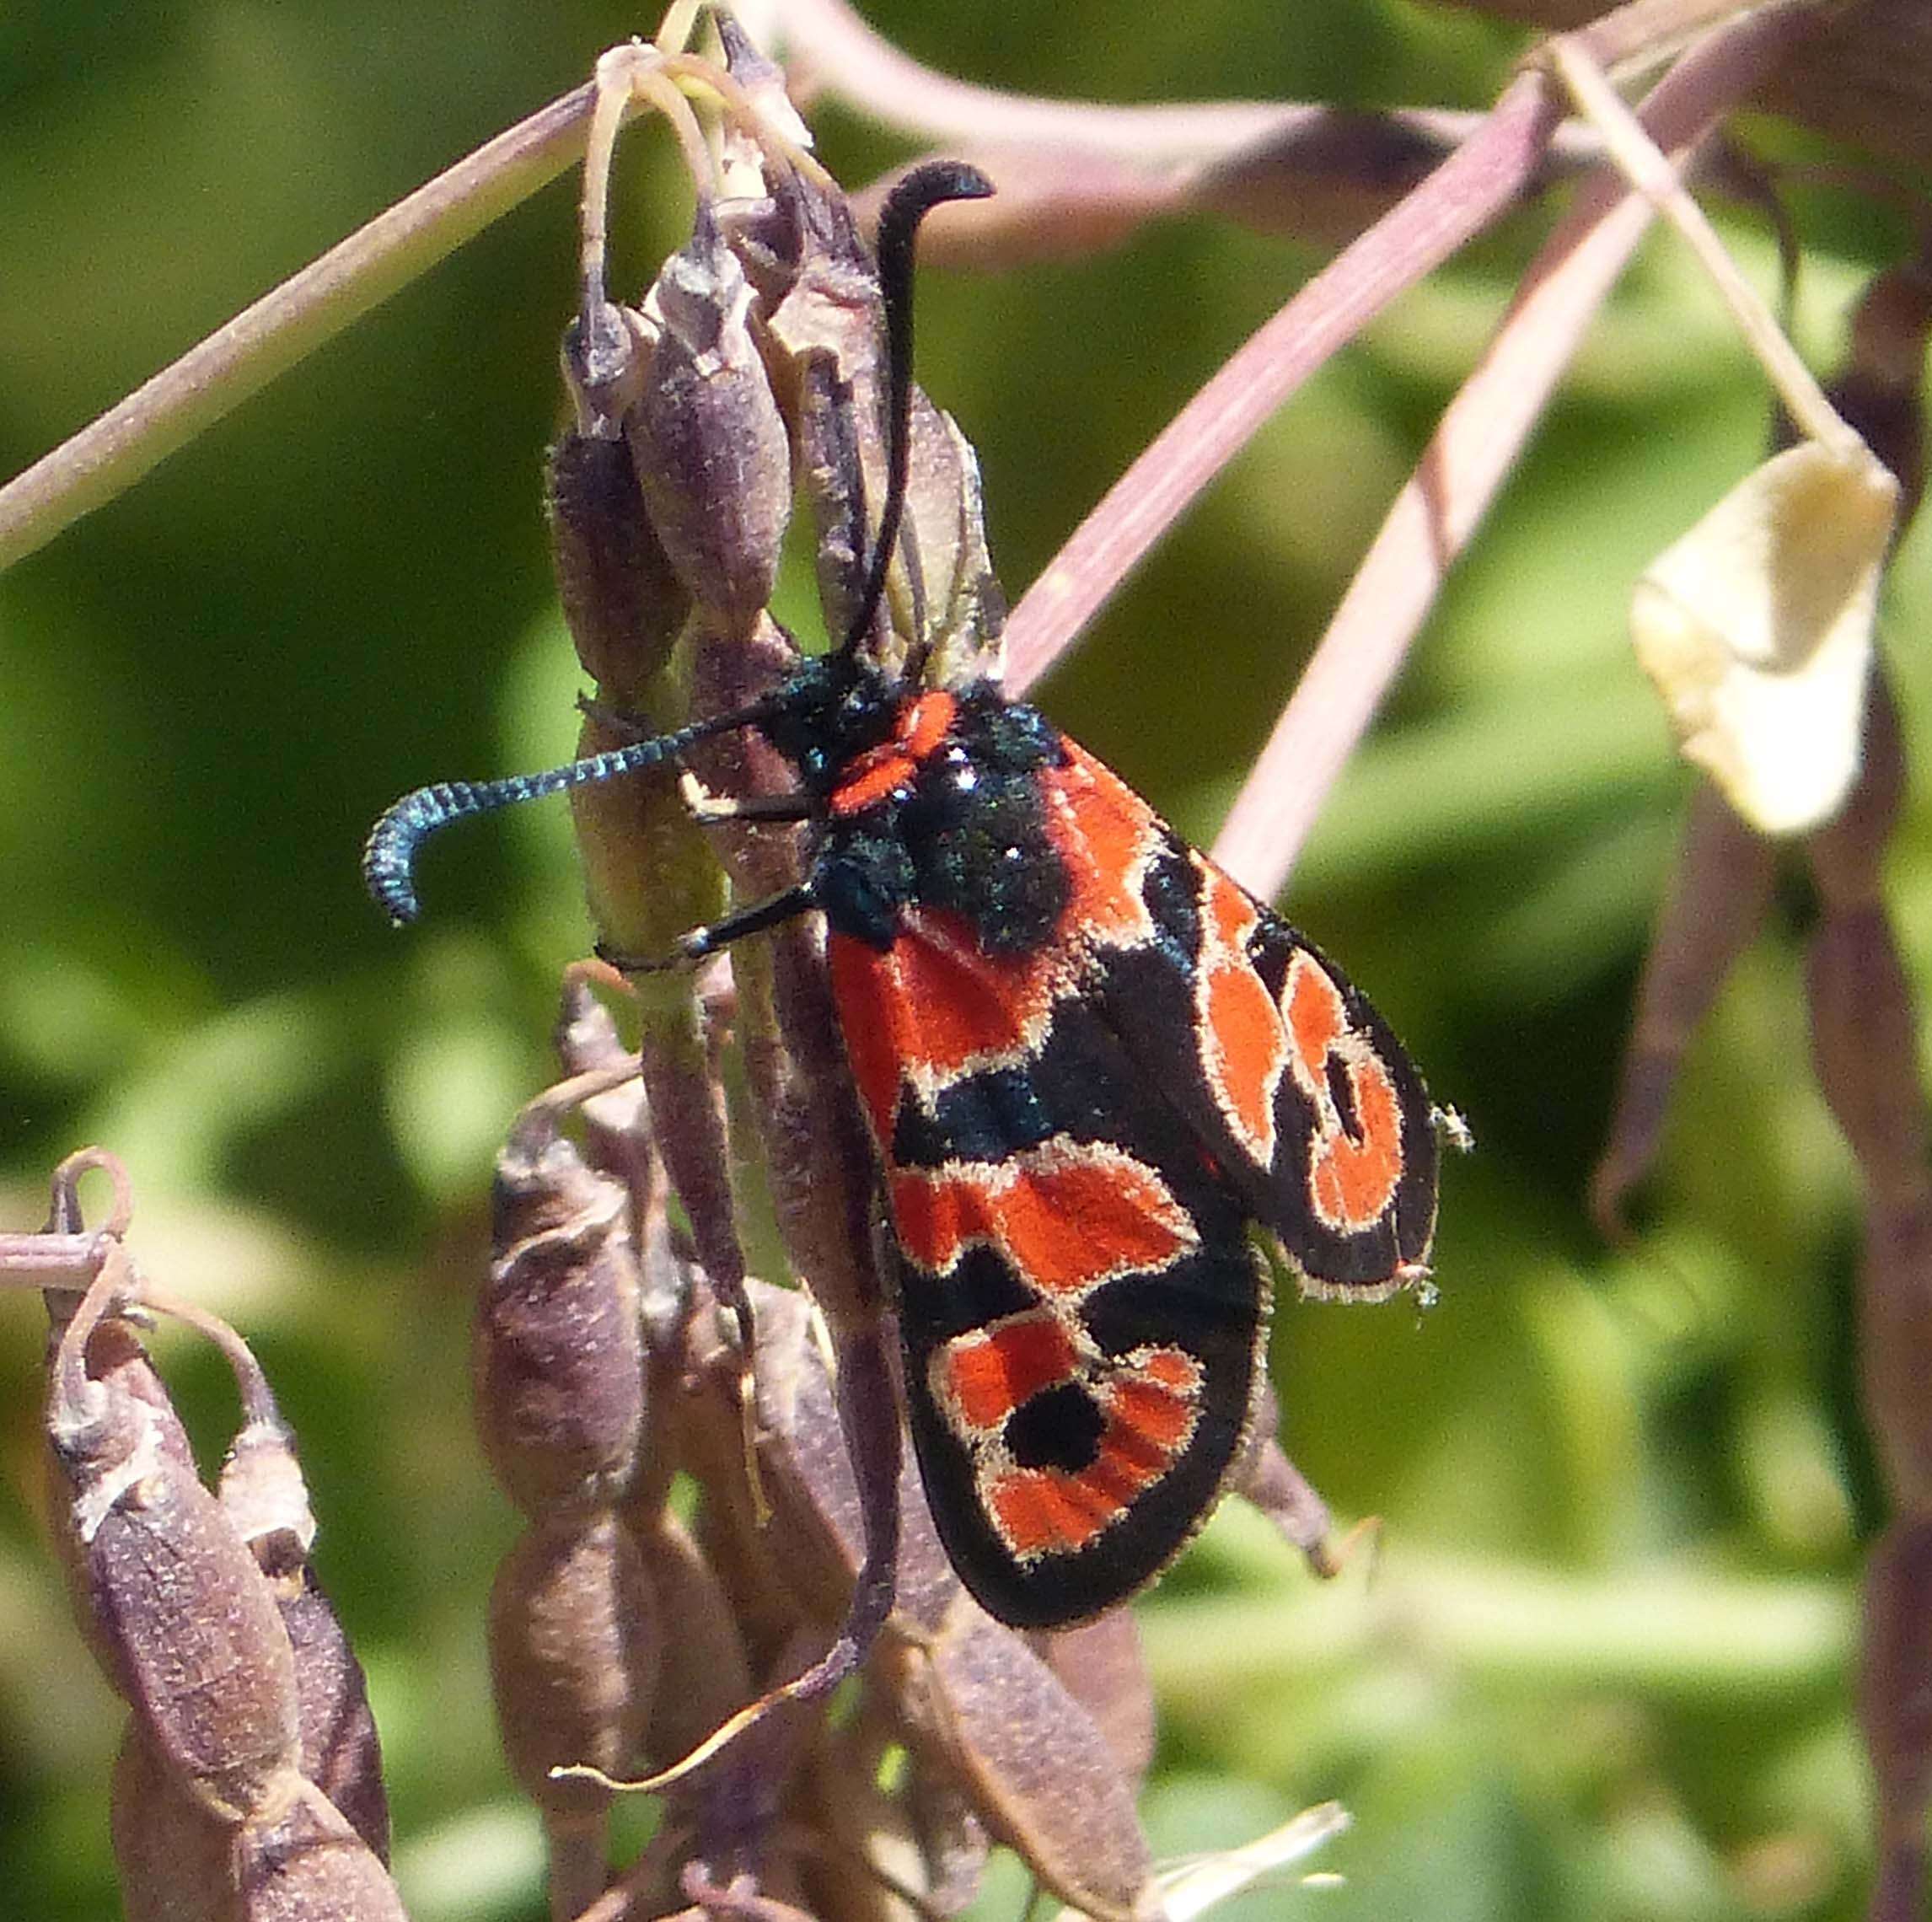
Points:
x=1231, y=914
x=989, y=1374
x=958, y=1003
x=1356, y=1181
x=1156, y=1417
x=867, y=996
x=1243, y=1046
x=1173, y=1368
x=875, y=776
x=1063, y=1223
x=1041, y=1512
x=1315, y=1016
x=1104, y=832
x=926, y=722
x=1068, y=1227
x=933, y=1218
x=1245, y=1064
x=892, y=766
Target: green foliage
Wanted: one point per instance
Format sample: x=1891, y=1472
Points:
x=1603, y=1670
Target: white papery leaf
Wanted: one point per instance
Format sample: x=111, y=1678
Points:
x=1755, y=628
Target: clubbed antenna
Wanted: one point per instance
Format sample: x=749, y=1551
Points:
x=389, y=856
x=908, y=204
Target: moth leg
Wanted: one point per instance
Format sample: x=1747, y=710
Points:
x=708, y=809
x=694, y=945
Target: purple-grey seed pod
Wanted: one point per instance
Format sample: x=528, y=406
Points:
x=576, y=1644
x=173, y=1855
x=180, y=1614
x=622, y=600
x=303, y=1863
x=711, y=451
x=559, y=1355
x=263, y=1494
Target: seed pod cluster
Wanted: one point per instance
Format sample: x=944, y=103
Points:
x=249, y=1781
x=625, y=1629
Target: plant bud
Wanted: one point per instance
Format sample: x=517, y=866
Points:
x=575, y=1643
x=622, y=601
x=558, y=1353
x=711, y=452
x=179, y=1613
x=304, y=1863
x=173, y=1855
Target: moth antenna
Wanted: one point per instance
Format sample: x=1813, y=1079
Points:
x=389, y=856
x=909, y=203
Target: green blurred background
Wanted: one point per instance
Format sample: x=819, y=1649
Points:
x=1602, y=1669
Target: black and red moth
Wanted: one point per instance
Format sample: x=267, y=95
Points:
x=1092, y=1066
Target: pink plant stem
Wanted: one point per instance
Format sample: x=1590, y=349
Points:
x=1472, y=450
x=1460, y=198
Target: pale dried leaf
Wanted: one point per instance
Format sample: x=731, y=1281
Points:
x=1756, y=627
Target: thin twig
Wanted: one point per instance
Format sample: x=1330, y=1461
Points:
x=1465, y=463
x=285, y=325
x=1458, y=200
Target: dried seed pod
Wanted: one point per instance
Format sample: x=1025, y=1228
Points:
x=559, y=1355
x=1039, y=1771
x=1101, y=1666
x=622, y=599
x=341, y=1753
x=575, y=1645
x=710, y=449
x=181, y=1616
x=301, y=1861
x=1895, y=1706
x=1895, y=1344
x=173, y=1855
x=1719, y=890
x=1865, y=1048
x=713, y=1672
x=263, y=1494
x=197, y=1644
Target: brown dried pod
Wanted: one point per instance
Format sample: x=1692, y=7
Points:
x=1719, y=890
x=712, y=1671
x=263, y=1494
x=1895, y=1345
x=1039, y=1773
x=301, y=1862
x=173, y=1855
x=576, y=1647
x=341, y=1753
x=710, y=449
x=181, y=1616
x=622, y=599
x=558, y=1350
x=1895, y=1706
x=1865, y=1048
x=1101, y=1666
